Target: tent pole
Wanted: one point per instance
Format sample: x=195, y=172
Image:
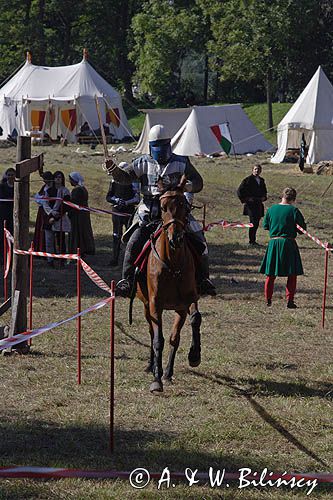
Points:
x=232, y=142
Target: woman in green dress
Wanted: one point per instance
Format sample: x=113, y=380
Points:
x=282, y=256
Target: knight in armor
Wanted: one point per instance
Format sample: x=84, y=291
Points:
x=124, y=198
x=160, y=164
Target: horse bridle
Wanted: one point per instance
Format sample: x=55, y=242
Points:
x=172, y=194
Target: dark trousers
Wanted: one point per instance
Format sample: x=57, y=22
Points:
x=119, y=225
x=253, y=230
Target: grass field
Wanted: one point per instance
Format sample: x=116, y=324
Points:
x=262, y=396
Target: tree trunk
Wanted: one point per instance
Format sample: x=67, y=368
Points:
x=269, y=98
x=205, y=87
x=41, y=33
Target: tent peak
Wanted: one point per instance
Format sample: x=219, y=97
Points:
x=85, y=54
x=28, y=57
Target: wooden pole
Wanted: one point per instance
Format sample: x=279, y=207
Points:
x=100, y=121
x=20, y=270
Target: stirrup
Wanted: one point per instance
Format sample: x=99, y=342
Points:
x=123, y=288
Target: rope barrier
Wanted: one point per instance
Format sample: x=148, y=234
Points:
x=313, y=238
x=21, y=337
x=226, y=224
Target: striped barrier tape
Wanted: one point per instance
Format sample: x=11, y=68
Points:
x=21, y=337
x=82, y=208
x=225, y=224
x=73, y=256
x=59, y=473
x=87, y=269
x=95, y=277
x=316, y=240
x=10, y=241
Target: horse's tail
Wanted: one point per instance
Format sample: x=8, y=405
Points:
x=133, y=294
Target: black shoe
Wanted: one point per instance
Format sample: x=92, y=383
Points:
x=254, y=244
x=291, y=304
x=269, y=302
x=123, y=288
x=206, y=287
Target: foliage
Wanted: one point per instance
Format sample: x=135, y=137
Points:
x=152, y=42
x=164, y=34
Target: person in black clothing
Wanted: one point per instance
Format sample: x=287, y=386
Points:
x=124, y=198
x=252, y=192
x=6, y=207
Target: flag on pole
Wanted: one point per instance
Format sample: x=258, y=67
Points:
x=223, y=136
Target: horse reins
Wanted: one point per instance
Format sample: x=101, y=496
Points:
x=171, y=194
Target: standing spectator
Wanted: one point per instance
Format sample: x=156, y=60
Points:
x=6, y=207
x=123, y=197
x=61, y=224
x=81, y=235
x=252, y=192
x=282, y=256
x=44, y=236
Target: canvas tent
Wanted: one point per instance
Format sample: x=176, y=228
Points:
x=172, y=119
x=192, y=130
x=58, y=101
x=312, y=114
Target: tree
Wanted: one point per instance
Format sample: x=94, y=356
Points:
x=165, y=33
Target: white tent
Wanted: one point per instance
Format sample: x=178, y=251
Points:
x=312, y=114
x=191, y=129
x=58, y=101
x=172, y=119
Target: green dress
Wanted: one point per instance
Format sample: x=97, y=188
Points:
x=282, y=257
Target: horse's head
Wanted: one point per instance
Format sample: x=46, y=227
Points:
x=174, y=209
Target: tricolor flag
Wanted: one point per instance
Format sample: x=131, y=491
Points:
x=223, y=136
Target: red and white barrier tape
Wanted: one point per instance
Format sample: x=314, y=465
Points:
x=72, y=256
x=16, y=339
x=225, y=224
x=59, y=473
x=316, y=240
x=82, y=208
x=94, y=277
x=87, y=269
x=10, y=241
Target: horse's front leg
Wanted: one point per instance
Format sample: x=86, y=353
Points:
x=158, y=344
x=150, y=366
x=174, y=343
x=194, y=355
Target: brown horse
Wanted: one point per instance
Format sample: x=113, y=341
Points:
x=171, y=284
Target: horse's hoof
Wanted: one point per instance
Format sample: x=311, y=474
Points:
x=167, y=380
x=156, y=386
x=194, y=360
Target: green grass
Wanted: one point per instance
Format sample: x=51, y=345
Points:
x=256, y=112
x=262, y=396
